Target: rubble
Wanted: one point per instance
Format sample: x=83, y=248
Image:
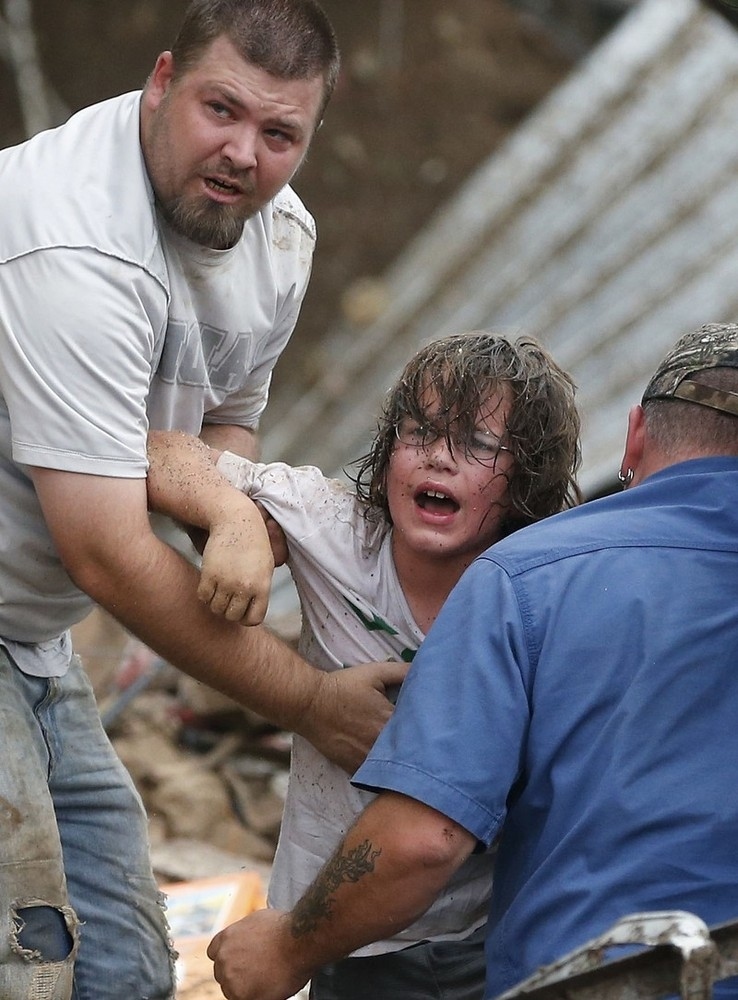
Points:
x=212, y=774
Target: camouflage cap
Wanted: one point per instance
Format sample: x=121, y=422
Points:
x=712, y=346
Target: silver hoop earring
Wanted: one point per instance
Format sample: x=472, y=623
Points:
x=626, y=478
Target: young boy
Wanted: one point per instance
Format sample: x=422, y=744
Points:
x=478, y=437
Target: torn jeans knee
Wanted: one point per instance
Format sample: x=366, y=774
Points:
x=66, y=785
x=43, y=943
x=42, y=932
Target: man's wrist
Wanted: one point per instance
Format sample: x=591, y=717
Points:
x=310, y=705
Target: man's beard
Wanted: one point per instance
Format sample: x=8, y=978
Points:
x=205, y=222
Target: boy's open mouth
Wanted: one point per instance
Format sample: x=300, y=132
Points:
x=436, y=502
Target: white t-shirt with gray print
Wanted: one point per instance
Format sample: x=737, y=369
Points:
x=110, y=323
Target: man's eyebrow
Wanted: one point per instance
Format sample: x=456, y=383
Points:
x=221, y=91
x=229, y=97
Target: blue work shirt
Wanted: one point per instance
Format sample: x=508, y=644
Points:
x=579, y=694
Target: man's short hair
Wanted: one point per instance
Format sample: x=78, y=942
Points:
x=290, y=39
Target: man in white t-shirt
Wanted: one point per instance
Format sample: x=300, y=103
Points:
x=153, y=261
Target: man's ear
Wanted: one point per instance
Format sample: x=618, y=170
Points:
x=634, y=443
x=159, y=80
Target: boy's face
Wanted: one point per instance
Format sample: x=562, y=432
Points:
x=444, y=501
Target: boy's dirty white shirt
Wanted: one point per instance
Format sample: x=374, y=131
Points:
x=353, y=611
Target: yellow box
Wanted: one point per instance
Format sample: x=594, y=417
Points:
x=197, y=910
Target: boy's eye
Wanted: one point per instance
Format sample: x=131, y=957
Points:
x=485, y=443
x=412, y=433
x=418, y=432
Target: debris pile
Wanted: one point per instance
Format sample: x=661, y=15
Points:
x=212, y=775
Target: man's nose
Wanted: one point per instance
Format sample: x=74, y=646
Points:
x=240, y=147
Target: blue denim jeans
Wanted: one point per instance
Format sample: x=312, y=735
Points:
x=81, y=917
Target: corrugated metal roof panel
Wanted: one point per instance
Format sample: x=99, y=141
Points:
x=604, y=227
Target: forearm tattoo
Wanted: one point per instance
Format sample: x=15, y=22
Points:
x=317, y=902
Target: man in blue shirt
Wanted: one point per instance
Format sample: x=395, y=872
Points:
x=577, y=697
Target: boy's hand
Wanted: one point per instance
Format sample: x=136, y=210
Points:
x=237, y=567
x=224, y=524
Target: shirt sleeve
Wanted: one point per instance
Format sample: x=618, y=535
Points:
x=301, y=500
x=77, y=337
x=456, y=740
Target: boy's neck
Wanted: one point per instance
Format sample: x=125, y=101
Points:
x=427, y=580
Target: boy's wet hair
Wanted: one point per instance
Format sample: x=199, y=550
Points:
x=463, y=372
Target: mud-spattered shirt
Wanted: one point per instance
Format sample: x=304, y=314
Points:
x=353, y=611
